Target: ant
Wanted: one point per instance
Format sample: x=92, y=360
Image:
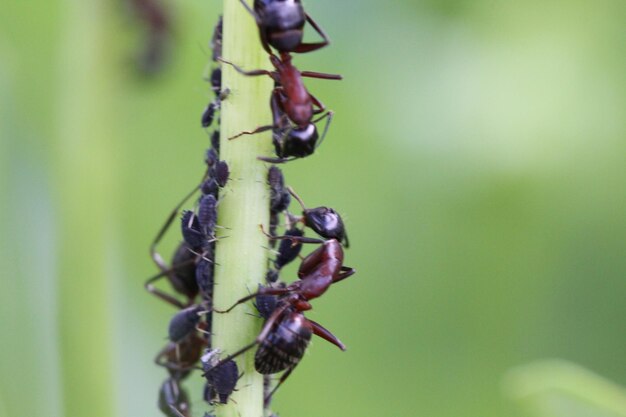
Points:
x=281, y=25
x=179, y=358
x=198, y=233
x=287, y=332
x=173, y=399
x=154, y=16
x=324, y=221
x=293, y=108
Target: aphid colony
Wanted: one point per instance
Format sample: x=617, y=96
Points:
x=286, y=332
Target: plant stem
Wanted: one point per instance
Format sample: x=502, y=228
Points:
x=85, y=168
x=241, y=257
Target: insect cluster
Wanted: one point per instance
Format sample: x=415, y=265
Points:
x=286, y=332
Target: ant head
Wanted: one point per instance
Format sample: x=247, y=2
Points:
x=299, y=142
x=326, y=222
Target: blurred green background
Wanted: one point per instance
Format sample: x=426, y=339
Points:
x=478, y=157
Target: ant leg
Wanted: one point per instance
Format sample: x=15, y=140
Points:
x=275, y=160
x=309, y=47
x=259, y=129
x=175, y=411
x=346, y=272
x=294, y=239
x=156, y=257
x=321, y=75
x=264, y=291
x=259, y=339
x=329, y=115
x=171, y=365
x=283, y=378
x=162, y=295
x=252, y=73
x=297, y=197
x=320, y=331
x=317, y=103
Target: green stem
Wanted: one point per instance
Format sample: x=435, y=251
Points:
x=85, y=169
x=241, y=257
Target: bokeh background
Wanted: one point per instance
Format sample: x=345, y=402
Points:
x=478, y=156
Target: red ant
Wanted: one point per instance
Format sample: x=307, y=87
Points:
x=281, y=25
x=287, y=332
x=157, y=22
x=293, y=108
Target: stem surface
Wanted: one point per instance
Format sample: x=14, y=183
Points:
x=241, y=257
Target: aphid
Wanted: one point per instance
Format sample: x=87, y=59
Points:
x=205, y=270
x=209, y=112
x=216, y=80
x=279, y=195
x=173, y=399
x=271, y=276
x=221, y=173
x=279, y=202
x=281, y=25
x=207, y=216
x=216, y=39
x=215, y=142
x=184, y=323
x=288, y=250
x=221, y=381
x=325, y=221
x=192, y=230
x=265, y=303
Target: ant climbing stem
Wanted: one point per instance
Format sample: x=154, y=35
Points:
x=293, y=109
x=317, y=272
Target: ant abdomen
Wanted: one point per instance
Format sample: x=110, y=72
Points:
x=285, y=344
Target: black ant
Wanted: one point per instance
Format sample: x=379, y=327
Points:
x=293, y=108
x=281, y=25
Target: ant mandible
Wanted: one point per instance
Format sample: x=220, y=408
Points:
x=281, y=25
